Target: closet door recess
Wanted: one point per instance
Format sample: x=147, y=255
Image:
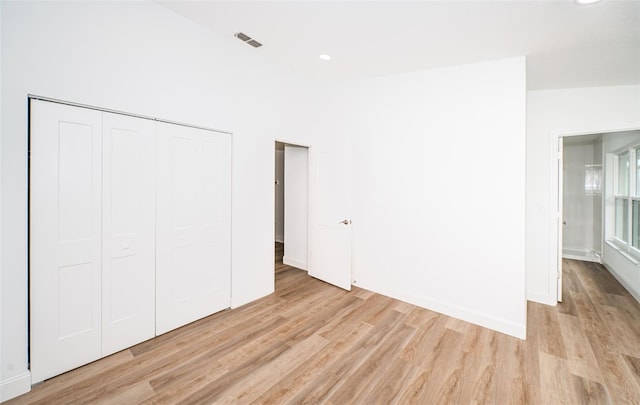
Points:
x=130, y=232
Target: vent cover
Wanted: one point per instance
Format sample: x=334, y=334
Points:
x=247, y=39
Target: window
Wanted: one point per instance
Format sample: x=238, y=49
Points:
x=626, y=232
x=622, y=219
x=592, y=179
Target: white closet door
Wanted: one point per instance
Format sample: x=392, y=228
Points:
x=128, y=232
x=65, y=232
x=193, y=245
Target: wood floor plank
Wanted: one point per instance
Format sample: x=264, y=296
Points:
x=362, y=313
x=626, y=337
x=532, y=352
x=580, y=358
x=419, y=317
x=213, y=350
x=634, y=366
x=511, y=383
x=308, y=372
x=480, y=371
x=549, y=335
x=310, y=342
x=589, y=392
x=261, y=379
x=607, y=349
x=391, y=383
x=374, y=366
x=192, y=381
x=294, y=330
x=443, y=385
x=334, y=375
x=421, y=346
x=134, y=394
x=591, y=278
x=557, y=381
x=603, y=278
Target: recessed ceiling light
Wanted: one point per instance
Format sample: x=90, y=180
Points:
x=585, y=2
x=325, y=57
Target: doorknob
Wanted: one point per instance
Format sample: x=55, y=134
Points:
x=346, y=222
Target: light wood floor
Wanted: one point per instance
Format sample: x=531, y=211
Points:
x=312, y=343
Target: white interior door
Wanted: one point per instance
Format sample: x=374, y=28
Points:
x=330, y=236
x=128, y=232
x=64, y=232
x=560, y=210
x=193, y=256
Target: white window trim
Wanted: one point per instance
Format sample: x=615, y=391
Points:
x=625, y=248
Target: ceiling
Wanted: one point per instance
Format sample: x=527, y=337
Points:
x=567, y=45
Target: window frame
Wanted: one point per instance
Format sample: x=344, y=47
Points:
x=628, y=198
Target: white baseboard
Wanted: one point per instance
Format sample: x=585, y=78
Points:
x=465, y=314
x=15, y=386
x=583, y=258
x=299, y=264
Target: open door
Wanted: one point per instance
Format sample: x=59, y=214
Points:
x=560, y=217
x=330, y=221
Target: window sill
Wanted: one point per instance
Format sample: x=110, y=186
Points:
x=622, y=250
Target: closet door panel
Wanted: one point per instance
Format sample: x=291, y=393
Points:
x=128, y=237
x=193, y=225
x=64, y=232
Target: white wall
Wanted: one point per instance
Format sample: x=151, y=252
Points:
x=582, y=212
x=279, y=200
x=438, y=188
x=625, y=271
x=296, y=197
x=552, y=113
x=142, y=58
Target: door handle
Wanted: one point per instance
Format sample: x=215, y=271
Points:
x=346, y=222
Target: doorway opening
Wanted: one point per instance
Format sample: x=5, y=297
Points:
x=582, y=209
x=598, y=186
x=291, y=216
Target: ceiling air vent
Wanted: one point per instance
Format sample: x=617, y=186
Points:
x=246, y=38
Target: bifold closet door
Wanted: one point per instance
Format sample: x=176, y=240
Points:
x=128, y=231
x=92, y=235
x=65, y=233
x=193, y=225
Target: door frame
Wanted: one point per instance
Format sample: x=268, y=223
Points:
x=555, y=227
x=309, y=203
